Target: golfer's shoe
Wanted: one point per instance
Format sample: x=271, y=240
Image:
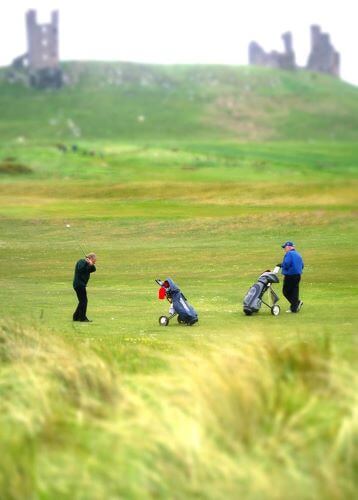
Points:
x=289, y=311
x=300, y=304
x=86, y=320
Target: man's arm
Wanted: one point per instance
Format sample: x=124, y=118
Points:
x=90, y=265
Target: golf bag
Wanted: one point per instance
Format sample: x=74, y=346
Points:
x=253, y=299
x=179, y=306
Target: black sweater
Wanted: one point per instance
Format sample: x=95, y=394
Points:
x=82, y=273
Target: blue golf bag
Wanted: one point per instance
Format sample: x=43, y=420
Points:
x=179, y=305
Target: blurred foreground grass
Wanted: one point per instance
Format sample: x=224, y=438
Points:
x=263, y=418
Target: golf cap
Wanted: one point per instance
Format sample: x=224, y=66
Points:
x=288, y=244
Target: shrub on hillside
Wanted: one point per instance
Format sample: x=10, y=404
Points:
x=10, y=167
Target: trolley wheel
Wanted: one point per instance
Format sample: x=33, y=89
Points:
x=180, y=321
x=248, y=313
x=163, y=321
x=275, y=310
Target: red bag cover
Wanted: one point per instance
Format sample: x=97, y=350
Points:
x=161, y=293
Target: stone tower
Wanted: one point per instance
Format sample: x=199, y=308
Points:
x=323, y=57
x=42, y=42
x=41, y=61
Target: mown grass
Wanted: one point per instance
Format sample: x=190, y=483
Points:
x=257, y=407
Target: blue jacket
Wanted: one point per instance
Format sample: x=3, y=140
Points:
x=292, y=263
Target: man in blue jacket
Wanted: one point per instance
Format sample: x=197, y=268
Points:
x=292, y=267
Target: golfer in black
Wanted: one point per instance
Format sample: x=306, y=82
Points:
x=83, y=269
x=292, y=267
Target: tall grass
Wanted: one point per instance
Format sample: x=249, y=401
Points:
x=254, y=420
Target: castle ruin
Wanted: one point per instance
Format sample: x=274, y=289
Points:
x=274, y=59
x=41, y=61
x=323, y=57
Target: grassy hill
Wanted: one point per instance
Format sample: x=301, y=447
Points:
x=134, y=102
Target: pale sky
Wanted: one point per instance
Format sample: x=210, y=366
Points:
x=184, y=31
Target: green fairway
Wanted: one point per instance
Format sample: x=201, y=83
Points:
x=233, y=407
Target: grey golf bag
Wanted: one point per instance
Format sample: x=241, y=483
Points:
x=253, y=299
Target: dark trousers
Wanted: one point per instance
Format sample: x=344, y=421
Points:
x=290, y=290
x=80, y=312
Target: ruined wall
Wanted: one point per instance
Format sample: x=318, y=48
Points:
x=323, y=57
x=273, y=59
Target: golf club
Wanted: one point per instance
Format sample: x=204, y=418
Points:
x=68, y=226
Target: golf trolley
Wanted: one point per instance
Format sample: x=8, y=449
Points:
x=253, y=299
x=179, y=306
